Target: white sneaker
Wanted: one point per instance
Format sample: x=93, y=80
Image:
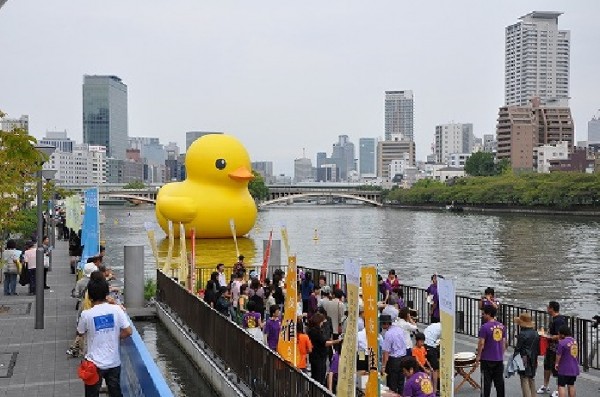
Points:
x=555, y=393
x=543, y=390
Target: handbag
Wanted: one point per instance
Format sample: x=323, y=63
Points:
x=24, y=276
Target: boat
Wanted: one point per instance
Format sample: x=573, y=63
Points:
x=454, y=207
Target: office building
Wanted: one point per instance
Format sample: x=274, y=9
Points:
x=59, y=140
x=343, y=155
x=594, y=130
x=105, y=114
x=367, y=157
x=453, y=138
x=393, y=149
x=264, y=168
x=84, y=165
x=458, y=160
x=537, y=57
x=303, y=170
x=327, y=173
x=399, y=114
x=22, y=122
x=191, y=136
x=489, y=143
x=522, y=128
x=546, y=154
x=151, y=150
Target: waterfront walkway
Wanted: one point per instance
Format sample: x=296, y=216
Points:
x=33, y=361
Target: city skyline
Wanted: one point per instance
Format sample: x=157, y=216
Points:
x=311, y=72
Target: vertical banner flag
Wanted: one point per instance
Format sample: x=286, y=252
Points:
x=150, y=229
x=286, y=347
x=266, y=256
x=234, y=234
x=447, y=296
x=183, y=259
x=90, y=232
x=347, y=368
x=370, y=290
x=73, y=212
x=286, y=242
x=193, y=261
x=169, y=261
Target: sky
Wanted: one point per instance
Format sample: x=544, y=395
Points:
x=281, y=76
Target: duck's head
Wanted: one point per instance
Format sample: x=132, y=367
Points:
x=218, y=159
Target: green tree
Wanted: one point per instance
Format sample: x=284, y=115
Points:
x=135, y=185
x=19, y=161
x=258, y=190
x=480, y=164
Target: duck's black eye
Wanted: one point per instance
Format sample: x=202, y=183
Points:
x=220, y=164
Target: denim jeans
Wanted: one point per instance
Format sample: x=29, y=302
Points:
x=31, y=281
x=10, y=284
x=112, y=377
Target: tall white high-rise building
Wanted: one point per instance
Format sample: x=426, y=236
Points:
x=399, y=114
x=85, y=165
x=537, y=60
x=452, y=138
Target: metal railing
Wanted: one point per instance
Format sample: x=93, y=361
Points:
x=259, y=368
x=468, y=315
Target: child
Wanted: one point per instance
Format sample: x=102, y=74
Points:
x=417, y=384
x=419, y=352
x=304, y=347
x=251, y=321
x=567, y=364
x=273, y=327
x=332, y=375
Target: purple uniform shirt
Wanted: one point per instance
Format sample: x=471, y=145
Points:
x=436, y=300
x=272, y=328
x=568, y=349
x=393, y=342
x=494, y=334
x=251, y=320
x=418, y=385
x=335, y=363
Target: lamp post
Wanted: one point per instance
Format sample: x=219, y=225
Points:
x=46, y=150
x=49, y=175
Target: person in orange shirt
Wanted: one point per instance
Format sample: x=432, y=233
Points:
x=420, y=353
x=304, y=347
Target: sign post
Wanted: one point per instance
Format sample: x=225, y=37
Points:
x=447, y=296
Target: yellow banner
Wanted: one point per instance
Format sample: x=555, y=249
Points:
x=183, y=262
x=153, y=246
x=286, y=346
x=347, y=369
x=169, y=262
x=447, y=306
x=369, y=290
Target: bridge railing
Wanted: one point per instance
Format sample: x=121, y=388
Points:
x=259, y=368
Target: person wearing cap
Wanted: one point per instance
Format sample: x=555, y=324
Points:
x=527, y=347
x=394, y=348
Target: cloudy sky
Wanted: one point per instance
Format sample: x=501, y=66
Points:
x=279, y=75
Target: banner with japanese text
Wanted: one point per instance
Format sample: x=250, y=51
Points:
x=90, y=231
x=73, y=212
x=347, y=368
x=447, y=295
x=286, y=346
x=369, y=291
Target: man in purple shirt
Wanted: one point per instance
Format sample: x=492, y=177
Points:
x=567, y=364
x=435, y=299
x=490, y=352
x=394, y=348
x=273, y=327
x=418, y=384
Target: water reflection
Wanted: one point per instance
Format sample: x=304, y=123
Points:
x=529, y=259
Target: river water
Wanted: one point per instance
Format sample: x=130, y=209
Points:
x=528, y=259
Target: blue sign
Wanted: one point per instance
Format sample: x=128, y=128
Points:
x=90, y=229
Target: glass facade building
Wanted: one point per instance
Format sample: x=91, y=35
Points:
x=367, y=156
x=105, y=114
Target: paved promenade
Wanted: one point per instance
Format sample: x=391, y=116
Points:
x=33, y=362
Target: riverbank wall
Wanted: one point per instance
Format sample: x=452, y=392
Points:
x=498, y=209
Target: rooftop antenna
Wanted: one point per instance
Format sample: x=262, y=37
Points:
x=303, y=153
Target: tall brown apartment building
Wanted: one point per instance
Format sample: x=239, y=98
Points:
x=522, y=128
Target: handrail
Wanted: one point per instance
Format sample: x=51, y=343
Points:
x=259, y=368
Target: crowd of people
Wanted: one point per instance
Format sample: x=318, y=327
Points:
x=410, y=355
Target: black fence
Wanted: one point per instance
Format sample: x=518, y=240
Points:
x=260, y=369
x=468, y=315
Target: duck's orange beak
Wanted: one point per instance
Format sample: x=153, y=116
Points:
x=241, y=174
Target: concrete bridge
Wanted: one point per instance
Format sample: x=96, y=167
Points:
x=288, y=193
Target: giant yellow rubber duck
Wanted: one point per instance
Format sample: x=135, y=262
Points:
x=214, y=192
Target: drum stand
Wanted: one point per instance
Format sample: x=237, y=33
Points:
x=461, y=369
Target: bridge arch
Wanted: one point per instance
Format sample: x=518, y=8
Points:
x=317, y=194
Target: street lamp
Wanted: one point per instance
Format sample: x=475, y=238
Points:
x=46, y=150
x=48, y=175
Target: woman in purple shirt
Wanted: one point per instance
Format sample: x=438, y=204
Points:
x=273, y=327
x=417, y=384
x=567, y=364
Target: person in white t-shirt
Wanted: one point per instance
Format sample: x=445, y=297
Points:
x=104, y=326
